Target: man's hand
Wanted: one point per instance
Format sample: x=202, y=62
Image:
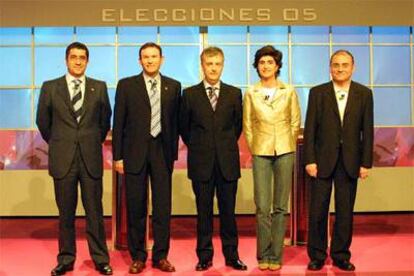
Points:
x=312, y=169
x=363, y=172
x=119, y=166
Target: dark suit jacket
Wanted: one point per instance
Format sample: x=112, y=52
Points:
x=209, y=134
x=57, y=124
x=132, y=121
x=324, y=134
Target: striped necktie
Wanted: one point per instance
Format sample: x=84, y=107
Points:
x=76, y=99
x=155, y=110
x=212, y=96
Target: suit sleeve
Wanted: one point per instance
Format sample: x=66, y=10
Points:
x=239, y=114
x=106, y=112
x=44, y=113
x=368, y=131
x=295, y=115
x=184, y=118
x=311, y=126
x=177, y=120
x=248, y=119
x=118, y=122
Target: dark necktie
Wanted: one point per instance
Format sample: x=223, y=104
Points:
x=212, y=96
x=155, y=109
x=76, y=99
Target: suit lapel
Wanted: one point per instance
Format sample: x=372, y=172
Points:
x=332, y=99
x=164, y=93
x=90, y=92
x=222, y=97
x=64, y=94
x=142, y=90
x=353, y=96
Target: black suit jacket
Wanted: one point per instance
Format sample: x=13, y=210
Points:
x=132, y=121
x=58, y=126
x=209, y=134
x=324, y=133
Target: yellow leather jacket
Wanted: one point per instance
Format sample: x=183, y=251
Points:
x=271, y=126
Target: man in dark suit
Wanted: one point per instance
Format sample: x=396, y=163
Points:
x=338, y=145
x=145, y=144
x=210, y=126
x=73, y=117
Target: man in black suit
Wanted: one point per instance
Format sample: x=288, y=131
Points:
x=73, y=117
x=338, y=145
x=145, y=144
x=210, y=126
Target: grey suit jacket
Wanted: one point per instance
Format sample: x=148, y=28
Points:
x=59, y=128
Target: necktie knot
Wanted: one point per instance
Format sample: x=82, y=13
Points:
x=76, y=83
x=211, y=91
x=153, y=84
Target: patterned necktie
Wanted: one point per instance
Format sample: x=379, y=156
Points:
x=155, y=109
x=212, y=96
x=76, y=99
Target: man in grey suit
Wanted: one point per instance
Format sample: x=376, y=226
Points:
x=338, y=144
x=210, y=126
x=73, y=117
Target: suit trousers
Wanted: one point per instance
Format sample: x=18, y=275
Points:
x=66, y=194
x=345, y=193
x=226, y=196
x=154, y=169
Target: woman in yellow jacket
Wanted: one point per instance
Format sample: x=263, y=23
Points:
x=271, y=122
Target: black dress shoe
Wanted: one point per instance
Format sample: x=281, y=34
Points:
x=236, y=264
x=104, y=269
x=61, y=269
x=315, y=265
x=201, y=266
x=344, y=265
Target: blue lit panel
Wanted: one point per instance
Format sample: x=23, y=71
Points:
x=284, y=72
x=220, y=34
x=310, y=34
x=310, y=64
x=348, y=34
x=390, y=34
x=128, y=64
x=102, y=64
x=235, y=64
x=182, y=63
x=392, y=106
x=49, y=63
x=15, y=109
x=95, y=34
x=36, y=94
x=111, y=95
x=179, y=35
x=269, y=34
x=137, y=34
x=53, y=35
x=361, y=58
x=386, y=60
x=15, y=36
x=15, y=66
x=303, y=95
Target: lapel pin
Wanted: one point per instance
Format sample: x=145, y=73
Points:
x=92, y=89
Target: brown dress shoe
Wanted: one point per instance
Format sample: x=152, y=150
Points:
x=136, y=267
x=164, y=265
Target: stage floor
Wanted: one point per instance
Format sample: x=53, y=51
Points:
x=383, y=244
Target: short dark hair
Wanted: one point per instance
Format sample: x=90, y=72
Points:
x=77, y=45
x=211, y=51
x=341, y=51
x=150, y=45
x=268, y=50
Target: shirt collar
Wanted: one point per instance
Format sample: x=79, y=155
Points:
x=70, y=78
x=148, y=78
x=340, y=89
x=215, y=87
